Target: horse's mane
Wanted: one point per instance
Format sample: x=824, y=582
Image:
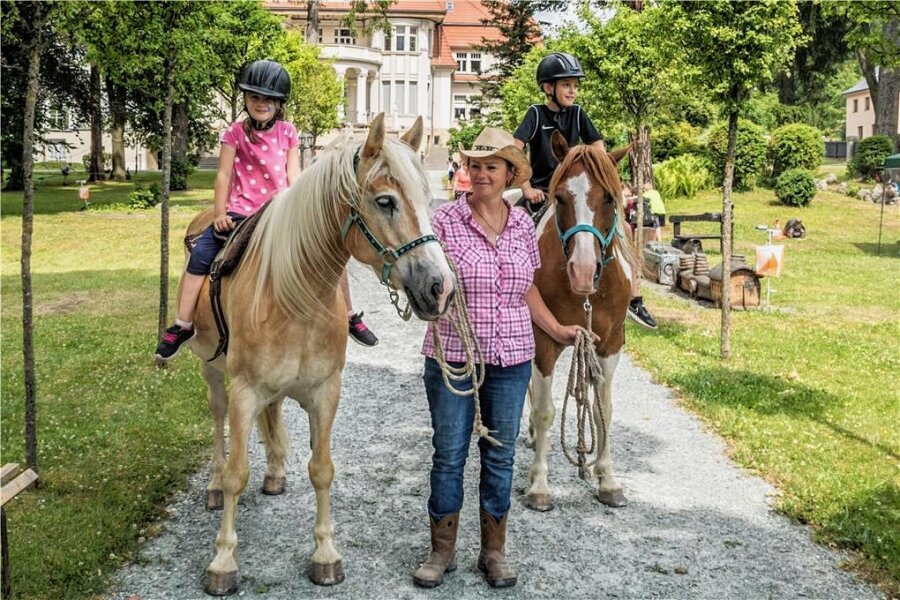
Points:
x=296, y=242
x=600, y=167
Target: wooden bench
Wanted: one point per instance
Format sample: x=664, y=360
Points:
x=678, y=236
x=13, y=483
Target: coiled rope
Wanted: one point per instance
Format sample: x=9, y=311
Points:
x=458, y=317
x=584, y=373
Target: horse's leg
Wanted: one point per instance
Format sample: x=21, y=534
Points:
x=327, y=567
x=278, y=444
x=542, y=411
x=217, y=400
x=222, y=575
x=529, y=397
x=609, y=491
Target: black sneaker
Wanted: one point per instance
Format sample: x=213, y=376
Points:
x=172, y=341
x=639, y=312
x=359, y=332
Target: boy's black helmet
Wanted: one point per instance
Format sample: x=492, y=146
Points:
x=558, y=65
x=266, y=77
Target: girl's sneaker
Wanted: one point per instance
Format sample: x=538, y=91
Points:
x=359, y=332
x=172, y=341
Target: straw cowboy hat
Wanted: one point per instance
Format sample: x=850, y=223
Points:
x=499, y=143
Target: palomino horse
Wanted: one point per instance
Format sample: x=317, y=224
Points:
x=289, y=323
x=584, y=257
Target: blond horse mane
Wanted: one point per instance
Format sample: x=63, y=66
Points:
x=297, y=242
x=600, y=167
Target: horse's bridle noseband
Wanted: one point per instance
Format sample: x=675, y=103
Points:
x=605, y=240
x=389, y=256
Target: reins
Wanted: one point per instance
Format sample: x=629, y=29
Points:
x=584, y=373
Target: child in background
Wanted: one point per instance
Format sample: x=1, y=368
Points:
x=462, y=183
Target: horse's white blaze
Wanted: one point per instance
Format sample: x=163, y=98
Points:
x=583, y=247
x=626, y=266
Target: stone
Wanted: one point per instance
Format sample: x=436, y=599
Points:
x=843, y=188
x=831, y=178
x=821, y=184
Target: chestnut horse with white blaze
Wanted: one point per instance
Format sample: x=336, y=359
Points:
x=288, y=321
x=584, y=256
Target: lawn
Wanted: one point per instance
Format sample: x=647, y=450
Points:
x=808, y=399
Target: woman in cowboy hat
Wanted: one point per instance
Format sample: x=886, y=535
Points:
x=495, y=251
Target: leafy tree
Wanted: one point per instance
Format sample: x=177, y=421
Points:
x=63, y=81
x=749, y=159
x=316, y=91
x=869, y=157
x=514, y=19
x=874, y=35
x=466, y=133
x=735, y=48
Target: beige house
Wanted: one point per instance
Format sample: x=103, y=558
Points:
x=860, y=114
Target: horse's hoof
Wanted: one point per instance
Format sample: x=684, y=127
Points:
x=273, y=486
x=215, y=499
x=539, y=502
x=222, y=584
x=331, y=574
x=612, y=498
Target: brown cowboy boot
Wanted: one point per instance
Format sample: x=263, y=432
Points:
x=443, y=553
x=492, y=560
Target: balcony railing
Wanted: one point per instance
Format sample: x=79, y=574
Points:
x=352, y=53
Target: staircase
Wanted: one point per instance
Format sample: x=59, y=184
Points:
x=208, y=163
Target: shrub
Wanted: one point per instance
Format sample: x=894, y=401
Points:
x=749, y=153
x=86, y=161
x=852, y=190
x=870, y=155
x=795, y=187
x=669, y=141
x=180, y=172
x=681, y=177
x=142, y=197
x=795, y=146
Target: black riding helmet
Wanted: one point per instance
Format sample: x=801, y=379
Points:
x=556, y=66
x=266, y=77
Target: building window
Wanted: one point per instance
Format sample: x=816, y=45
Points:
x=856, y=105
x=468, y=62
x=459, y=107
x=400, y=90
x=57, y=150
x=345, y=36
x=386, y=96
x=867, y=103
x=404, y=38
x=58, y=118
x=413, y=98
x=859, y=132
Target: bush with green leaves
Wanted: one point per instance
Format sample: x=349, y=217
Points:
x=681, y=177
x=870, y=155
x=180, y=172
x=669, y=141
x=142, y=197
x=86, y=161
x=795, y=187
x=749, y=153
x=795, y=146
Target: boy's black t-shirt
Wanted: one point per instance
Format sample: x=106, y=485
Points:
x=536, y=129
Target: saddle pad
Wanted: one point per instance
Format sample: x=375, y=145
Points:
x=230, y=255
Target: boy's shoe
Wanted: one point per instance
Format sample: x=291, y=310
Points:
x=359, y=332
x=639, y=312
x=172, y=341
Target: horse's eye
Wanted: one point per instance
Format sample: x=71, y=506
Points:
x=386, y=203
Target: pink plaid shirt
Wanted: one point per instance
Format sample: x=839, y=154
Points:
x=494, y=279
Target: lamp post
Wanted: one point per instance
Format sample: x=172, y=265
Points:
x=306, y=143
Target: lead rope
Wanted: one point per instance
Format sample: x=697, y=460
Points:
x=584, y=373
x=458, y=317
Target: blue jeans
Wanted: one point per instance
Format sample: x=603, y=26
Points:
x=502, y=396
x=207, y=246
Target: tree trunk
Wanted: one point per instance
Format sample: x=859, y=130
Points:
x=31, y=93
x=726, y=234
x=312, y=22
x=164, y=205
x=885, y=104
x=116, y=95
x=16, y=181
x=96, y=165
x=180, y=135
x=236, y=96
x=641, y=165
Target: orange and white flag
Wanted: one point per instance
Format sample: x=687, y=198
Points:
x=769, y=260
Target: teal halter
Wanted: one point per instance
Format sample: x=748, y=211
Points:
x=389, y=256
x=605, y=242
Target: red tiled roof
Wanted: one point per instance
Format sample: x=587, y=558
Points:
x=466, y=37
x=444, y=57
x=466, y=12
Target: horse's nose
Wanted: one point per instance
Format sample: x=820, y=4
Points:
x=435, y=288
x=581, y=277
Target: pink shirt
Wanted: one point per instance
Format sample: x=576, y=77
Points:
x=494, y=279
x=260, y=169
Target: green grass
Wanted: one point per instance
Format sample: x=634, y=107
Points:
x=810, y=397
x=116, y=435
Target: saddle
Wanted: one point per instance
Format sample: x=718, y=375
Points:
x=225, y=263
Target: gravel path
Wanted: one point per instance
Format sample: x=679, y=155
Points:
x=697, y=526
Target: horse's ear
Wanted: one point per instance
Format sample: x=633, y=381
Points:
x=413, y=137
x=376, y=138
x=559, y=145
x=617, y=155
